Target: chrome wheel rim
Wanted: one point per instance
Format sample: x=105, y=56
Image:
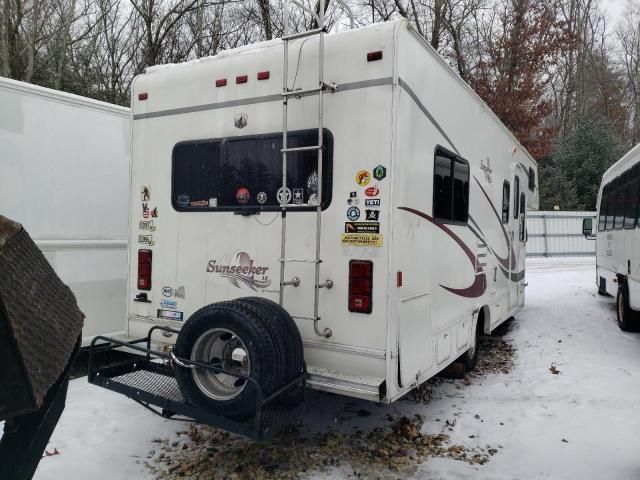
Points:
x=221, y=348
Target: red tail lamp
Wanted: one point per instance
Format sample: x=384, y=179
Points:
x=360, y=286
x=144, y=269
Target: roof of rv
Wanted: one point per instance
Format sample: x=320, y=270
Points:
x=276, y=42
x=156, y=74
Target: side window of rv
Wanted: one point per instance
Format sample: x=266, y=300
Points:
x=506, y=191
x=516, y=196
x=631, y=202
x=532, y=179
x=239, y=173
x=450, y=187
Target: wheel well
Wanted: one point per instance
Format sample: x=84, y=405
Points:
x=483, y=320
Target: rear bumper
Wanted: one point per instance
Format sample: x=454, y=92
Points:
x=364, y=387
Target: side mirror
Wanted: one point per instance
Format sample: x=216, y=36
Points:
x=587, y=228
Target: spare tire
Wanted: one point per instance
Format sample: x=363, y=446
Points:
x=287, y=330
x=234, y=336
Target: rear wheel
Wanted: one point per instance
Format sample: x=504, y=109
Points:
x=627, y=318
x=233, y=337
x=470, y=357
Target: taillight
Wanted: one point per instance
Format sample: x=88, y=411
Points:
x=360, y=286
x=144, y=269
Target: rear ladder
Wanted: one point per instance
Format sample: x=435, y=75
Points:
x=284, y=196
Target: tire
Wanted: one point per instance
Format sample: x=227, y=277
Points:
x=287, y=330
x=470, y=357
x=627, y=318
x=240, y=339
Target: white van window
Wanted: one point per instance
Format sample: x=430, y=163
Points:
x=244, y=173
x=619, y=208
x=631, y=200
x=610, y=205
x=603, y=210
x=450, y=187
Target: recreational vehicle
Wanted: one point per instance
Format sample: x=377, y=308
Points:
x=357, y=213
x=617, y=238
x=64, y=163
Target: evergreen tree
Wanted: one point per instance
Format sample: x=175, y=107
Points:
x=578, y=162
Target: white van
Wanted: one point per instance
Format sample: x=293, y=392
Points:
x=378, y=269
x=64, y=169
x=616, y=235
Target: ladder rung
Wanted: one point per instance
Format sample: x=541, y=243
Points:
x=332, y=87
x=304, y=317
x=302, y=149
x=299, y=261
x=308, y=33
x=299, y=93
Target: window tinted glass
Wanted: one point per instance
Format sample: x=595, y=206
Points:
x=532, y=179
x=450, y=187
x=619, y=207
x=610, y=209
x=460, y=191
x=516, y=196
x=603, y=212
x=631, y=199
x=442, y=188
x=505, y=201
x=246, y=172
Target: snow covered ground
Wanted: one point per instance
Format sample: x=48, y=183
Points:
x=582, y=423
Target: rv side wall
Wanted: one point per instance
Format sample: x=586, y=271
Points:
x=451, y=270
x=65, y=171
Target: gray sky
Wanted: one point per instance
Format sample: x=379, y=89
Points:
x=615, y=9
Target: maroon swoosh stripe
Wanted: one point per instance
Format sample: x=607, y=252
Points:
x=478, y=287
x=503, y=261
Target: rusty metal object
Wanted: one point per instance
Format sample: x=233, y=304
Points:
x=40, y=323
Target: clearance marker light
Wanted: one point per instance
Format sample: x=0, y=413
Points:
x=221, y=82
x=143, y=96
x=373, y=56
x=242, y=79
x=263, y=75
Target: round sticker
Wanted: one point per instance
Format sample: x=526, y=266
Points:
x=242, y=196
x=363, y=178
x=262, y=198
x=353, y=213
x=282, y=196
x=372, y=191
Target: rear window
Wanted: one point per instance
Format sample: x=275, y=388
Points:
x=240, y=173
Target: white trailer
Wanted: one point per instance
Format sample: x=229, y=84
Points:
x=616, y=235
x=389, y=260
x=64, y=163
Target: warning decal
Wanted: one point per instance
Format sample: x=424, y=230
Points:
x=362, y=239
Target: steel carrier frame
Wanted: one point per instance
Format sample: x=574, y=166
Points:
x=149, y=379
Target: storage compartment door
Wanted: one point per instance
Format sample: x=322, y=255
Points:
x=416, y=347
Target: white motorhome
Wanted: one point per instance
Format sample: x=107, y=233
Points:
x=64, y=163
x=617, y=240
x=390, y=259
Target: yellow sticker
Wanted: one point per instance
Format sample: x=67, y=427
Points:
x=362, y=239
x=363, y=178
